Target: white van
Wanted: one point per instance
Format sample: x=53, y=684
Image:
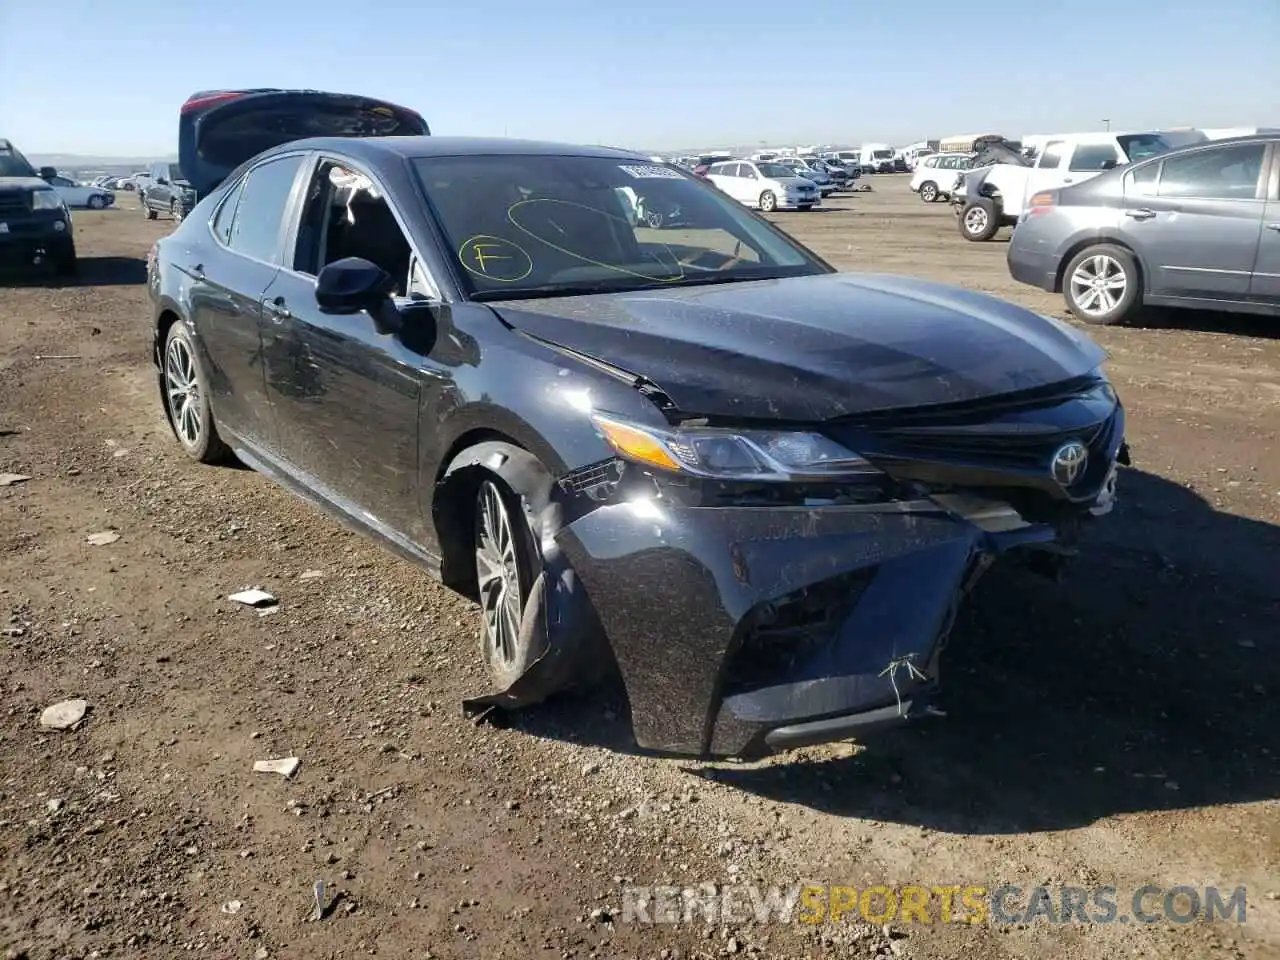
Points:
x=876, y=158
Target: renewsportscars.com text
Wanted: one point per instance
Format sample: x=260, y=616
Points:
x=829, y=903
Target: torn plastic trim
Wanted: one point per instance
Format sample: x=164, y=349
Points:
x=558, y=616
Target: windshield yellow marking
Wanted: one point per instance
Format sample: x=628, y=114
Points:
x=495, y=259
x=675, y=262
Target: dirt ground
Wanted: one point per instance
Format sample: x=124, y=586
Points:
x=1120, y=728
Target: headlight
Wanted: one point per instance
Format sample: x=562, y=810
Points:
x=733, y=454
x=46, y=200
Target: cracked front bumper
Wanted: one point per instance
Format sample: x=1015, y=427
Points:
x=741, y=630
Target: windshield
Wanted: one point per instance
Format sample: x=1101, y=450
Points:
x=1139, y=146
x=775, y=170
x=536, y=225
x=882, y=154
x=14, y=164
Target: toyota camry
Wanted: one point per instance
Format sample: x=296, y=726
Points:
x=697, y=456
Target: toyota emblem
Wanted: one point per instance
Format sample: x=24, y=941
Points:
x=1068, y=462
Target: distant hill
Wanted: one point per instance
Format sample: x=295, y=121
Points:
x=75, y=160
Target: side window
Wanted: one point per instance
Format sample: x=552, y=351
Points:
x=930, y=161
x=1141, y=181
x=1092, y=157
x=1227, y=173
x=748, y=170
x=1052, y=155
x=264, y=194
x=343, y=216
x=61, y=182
x=226, y=215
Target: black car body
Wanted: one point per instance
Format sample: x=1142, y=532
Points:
x=755, y=486
x=35, y=224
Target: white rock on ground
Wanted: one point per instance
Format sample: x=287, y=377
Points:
x=64, y=715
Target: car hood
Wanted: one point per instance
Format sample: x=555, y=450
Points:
x=796, y=181
x=813, y=348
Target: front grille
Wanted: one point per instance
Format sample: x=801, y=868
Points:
x=1007, y=450
x=13, y=204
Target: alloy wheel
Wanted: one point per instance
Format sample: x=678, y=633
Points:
x=975, y=220
x=1098, y=284
x=183, y=391
x=498, y=574
x=928, y=193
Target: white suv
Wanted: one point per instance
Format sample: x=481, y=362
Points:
x=767, y=186
x=937, y=174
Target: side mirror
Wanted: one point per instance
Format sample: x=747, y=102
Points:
x=48, y=173
x=161, y=181
x=1108, y=164
x=353, y=284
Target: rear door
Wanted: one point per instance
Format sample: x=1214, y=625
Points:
x=229, y=274
x=1266, y=270
x=1197, y=226
x=220, y=129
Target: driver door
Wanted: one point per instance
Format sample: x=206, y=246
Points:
x=347, y=397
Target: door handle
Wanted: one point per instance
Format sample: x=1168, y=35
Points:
x=1274, y=226
x=1141, y=214
x=1068, y=179
x=279, y=312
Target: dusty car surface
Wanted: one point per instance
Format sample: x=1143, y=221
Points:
x=754, y=486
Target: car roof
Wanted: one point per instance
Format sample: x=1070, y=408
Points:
x=372, y=148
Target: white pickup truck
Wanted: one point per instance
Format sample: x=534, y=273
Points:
x=997, y=190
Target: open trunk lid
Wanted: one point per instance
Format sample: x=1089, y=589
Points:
x=220, y=129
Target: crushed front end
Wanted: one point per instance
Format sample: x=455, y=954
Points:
x=751, y=615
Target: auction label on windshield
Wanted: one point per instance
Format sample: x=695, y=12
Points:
x=651, y=171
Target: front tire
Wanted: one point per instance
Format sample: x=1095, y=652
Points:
x=504, y=556
x=175, y=211
x=1102, y=285
x=928, y=192
x=768, y=202
x=186, y=394
x=979, y=220
x=95, y=203
x=65, y=264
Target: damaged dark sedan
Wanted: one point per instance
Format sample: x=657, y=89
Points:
x=755, y=487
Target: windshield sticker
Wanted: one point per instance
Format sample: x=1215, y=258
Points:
x=651, y=171
x=556, y=223
x=495, y=259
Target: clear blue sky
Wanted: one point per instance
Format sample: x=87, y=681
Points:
x=96, y=77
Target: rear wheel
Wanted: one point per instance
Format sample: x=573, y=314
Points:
x=1101, y=284
x=96, y=202
x=928, y=192
x=504, y=576
x=175, y=211
x=768, y=202
x=187, y=398
x=979, y=220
